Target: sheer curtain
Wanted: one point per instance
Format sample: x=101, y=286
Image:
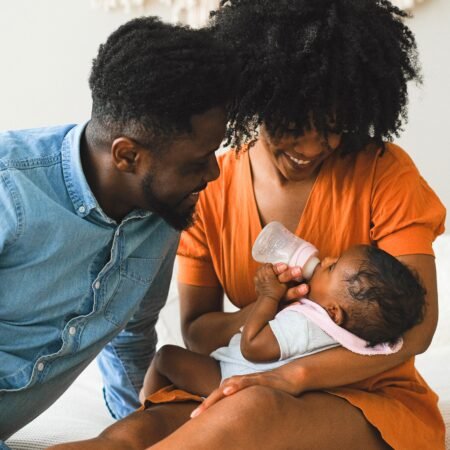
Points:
x=192, y=12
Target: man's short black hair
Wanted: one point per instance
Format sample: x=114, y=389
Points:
x=149, y=78
x=339, y=65
x=386, y=298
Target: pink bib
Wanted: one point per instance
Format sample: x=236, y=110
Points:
x=320, y=317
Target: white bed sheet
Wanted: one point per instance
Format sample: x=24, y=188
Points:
x=80, y=413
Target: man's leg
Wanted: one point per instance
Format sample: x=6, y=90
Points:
x=193, y=372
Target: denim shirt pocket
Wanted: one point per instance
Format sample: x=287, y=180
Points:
x=135, y=278
x=141, y=270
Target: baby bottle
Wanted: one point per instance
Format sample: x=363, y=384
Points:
x=276, y=244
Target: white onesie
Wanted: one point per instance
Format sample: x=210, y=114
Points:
x=296, y=335
x=301, y=329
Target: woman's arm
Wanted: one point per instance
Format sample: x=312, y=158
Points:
x=204, y=325
x=419, y=338
x=339, y=366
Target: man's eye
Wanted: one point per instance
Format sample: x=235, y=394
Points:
x=331, y=267
x=196, y=167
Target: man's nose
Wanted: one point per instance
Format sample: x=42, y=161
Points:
x=213, y=170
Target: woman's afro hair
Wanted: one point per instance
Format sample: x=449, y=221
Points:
x=338, y=65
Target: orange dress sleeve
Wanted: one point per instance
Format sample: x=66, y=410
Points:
x=406, y=214
x=195, y=264
x=216, y=251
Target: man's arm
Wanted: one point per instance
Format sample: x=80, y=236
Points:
x=125, y=360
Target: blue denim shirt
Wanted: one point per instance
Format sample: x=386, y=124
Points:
x=73, y=282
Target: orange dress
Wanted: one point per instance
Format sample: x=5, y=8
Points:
x=369, y=198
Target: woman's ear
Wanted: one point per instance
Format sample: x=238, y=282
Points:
x=336, y=313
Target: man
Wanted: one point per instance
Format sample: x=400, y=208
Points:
x=89, y=215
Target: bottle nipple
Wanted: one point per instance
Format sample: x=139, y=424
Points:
x=309, y=267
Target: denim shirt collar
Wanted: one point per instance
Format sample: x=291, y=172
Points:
x=77, y=186
x=79, y=191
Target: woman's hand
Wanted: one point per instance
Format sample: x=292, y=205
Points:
x=291, y=277
x=275, y=379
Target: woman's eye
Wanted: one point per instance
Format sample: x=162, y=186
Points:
x=331, y=267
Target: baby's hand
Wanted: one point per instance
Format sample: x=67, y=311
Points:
x=267, y=284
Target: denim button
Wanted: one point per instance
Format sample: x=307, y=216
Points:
x=72, y=331
x=82, y=209
x=97, y=285
x=40, y=366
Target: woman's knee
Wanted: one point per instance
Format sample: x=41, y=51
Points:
x=255, y=399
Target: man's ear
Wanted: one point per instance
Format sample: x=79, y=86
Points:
x=336, y=313
x=125, y=154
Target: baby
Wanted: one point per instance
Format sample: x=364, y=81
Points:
x=364, y=300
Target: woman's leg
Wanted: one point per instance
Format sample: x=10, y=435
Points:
x=259, y=417
x=196, y=373
x=139, y=430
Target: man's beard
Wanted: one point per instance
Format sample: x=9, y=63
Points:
x=178, y=220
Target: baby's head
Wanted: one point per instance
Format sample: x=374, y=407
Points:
x=370, y=293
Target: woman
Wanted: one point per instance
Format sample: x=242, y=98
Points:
x=325, y=84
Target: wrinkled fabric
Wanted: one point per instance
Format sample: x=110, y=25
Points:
x=72, y=280
x=374, y=198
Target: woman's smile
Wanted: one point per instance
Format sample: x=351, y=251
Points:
x=297, y=161
x=297, y=168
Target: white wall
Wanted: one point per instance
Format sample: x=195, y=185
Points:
x=427, y=134
x=47, y=46
x=46, y=49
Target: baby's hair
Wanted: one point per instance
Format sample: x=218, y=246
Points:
x=386, y=298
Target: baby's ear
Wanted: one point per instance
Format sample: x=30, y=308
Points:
x=336, y=313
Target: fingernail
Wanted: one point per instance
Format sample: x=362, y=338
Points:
x=228, y=390
x=281, y=267
x=195, y=413
x=296, y=271
x=302, y=290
